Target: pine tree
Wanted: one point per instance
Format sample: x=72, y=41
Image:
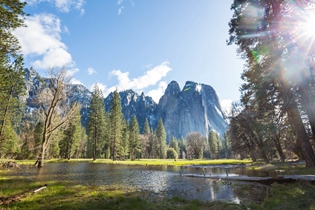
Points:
x=9, y=144
x=11, y=87
x=146, y=127
x=227, y=145
x=96, y=124
x=125, y=139
x=11, y=80
x=161, y=135
x=134, y=139
x=182, y=144
x=115, y=126
x=38, y=135
x=71, y=137
x=11, y=17
x=213, y=144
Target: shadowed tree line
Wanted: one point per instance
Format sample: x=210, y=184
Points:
x=277, y=115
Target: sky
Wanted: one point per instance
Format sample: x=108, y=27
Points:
x=134, y=44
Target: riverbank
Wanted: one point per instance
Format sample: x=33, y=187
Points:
x=283, y=168
x=64, y=195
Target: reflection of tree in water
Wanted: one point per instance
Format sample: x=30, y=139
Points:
x=249, y=193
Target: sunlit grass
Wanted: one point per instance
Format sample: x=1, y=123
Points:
x=287, y=168
x=151, y=162
x=171, y=162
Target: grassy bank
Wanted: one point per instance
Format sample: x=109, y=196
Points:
x=150, y=162
x=287, y=168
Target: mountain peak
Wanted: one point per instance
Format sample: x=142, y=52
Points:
x=172, y=88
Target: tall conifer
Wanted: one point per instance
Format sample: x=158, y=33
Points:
x=96, y=124
x=161, y=135
x=115, y=126
x=134, y=139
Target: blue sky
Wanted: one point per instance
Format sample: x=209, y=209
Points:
x=134, y=44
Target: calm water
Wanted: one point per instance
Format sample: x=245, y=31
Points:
x=164, y=181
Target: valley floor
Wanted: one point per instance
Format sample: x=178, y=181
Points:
x=18, y=193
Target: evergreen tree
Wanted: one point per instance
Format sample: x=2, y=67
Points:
x=96, y=124
x=213, y=142
x=134, y=139
x=9, y=142
x=146, y=127
x=11, y=68
x=182, y=144
x=71, y=137
x=11, y=17
x=125, y=139
x=161, y=135
x=115, y=126
x=38, y=135
x=227, y=145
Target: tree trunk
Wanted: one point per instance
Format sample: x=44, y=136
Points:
x=297, y=123
x=308, y=103
x=40, y=159
x=279, y=148
x=6, y=110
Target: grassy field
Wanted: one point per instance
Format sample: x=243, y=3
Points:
x=151, y=162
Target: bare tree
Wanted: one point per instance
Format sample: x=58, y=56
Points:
x=55, y=106
x=195, y=145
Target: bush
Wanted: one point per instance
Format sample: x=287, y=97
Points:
x=171, y=153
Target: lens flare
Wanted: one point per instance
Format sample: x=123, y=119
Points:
x=308, y=25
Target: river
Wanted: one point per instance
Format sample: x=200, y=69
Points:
x=164, y=181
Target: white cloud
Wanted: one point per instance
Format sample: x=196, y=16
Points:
x=103, y=88
x=82, y=11
x=75, y=81
x=71, y=72
x=150, y=77
x=42, y=38
x=226, y=105
x=66, y=30
x=91, y=71
x=120, y=10
x=119, y=1
x=156, y=94
x=62, y=5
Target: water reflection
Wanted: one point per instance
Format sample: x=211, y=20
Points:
x=162, y=181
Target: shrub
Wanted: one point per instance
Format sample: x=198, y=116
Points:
x=171, y=153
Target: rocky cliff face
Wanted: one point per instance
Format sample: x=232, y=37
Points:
x=34, y=84
x=195, y=108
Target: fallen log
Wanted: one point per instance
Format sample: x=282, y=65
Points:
x=10, y=164
x=41, y=188
x=16, y=198
x=262, y=180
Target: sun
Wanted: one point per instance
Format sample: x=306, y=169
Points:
x=308, y=26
